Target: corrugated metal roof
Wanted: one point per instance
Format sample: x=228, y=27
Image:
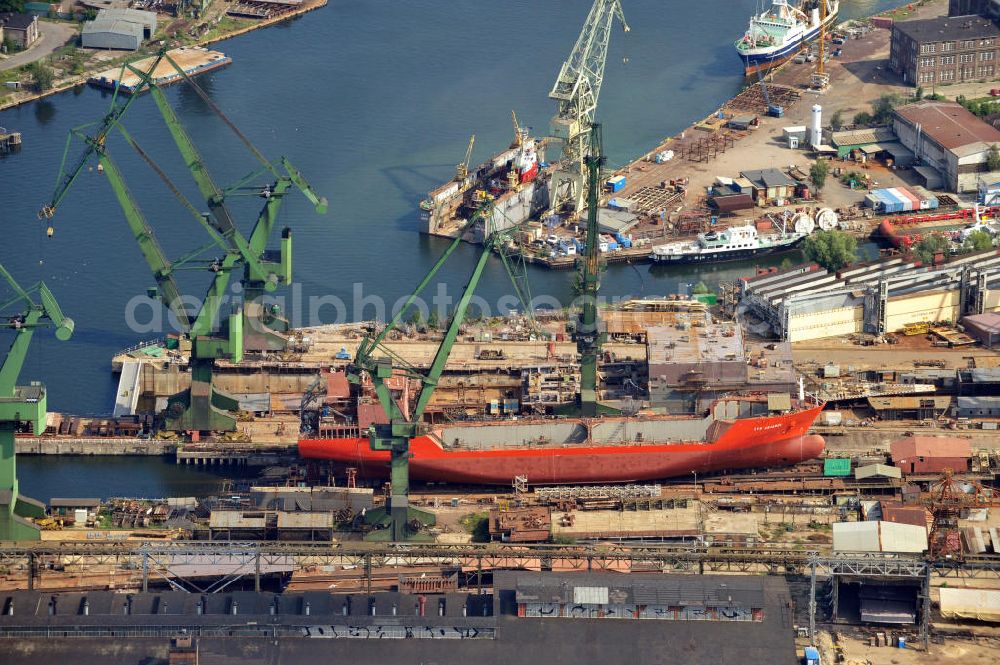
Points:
x=878, y=537
x=236, y=519
x=862, y=136
x=979, y=402
x=929, y=446
x=590, y=595
x=948, y=123
x=305, y=520
x=873, y=470
x=836, y=467
x=910, y=402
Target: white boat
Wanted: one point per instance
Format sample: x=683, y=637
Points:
x=777, y=34
x=737, y=242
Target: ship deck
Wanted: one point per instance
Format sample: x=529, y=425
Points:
x=191, y=59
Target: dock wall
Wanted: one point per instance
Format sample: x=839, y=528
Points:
x=116, y=446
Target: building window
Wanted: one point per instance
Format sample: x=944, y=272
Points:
x=947, y=75
x=927, y=77
x=967, y=72
x=947, y=60
x=966, y=57
x=987, y=42
x=947, y=46
x=969, y=44
x=986, y=56
x=926, y=62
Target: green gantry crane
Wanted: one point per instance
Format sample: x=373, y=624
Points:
x=398, y=521
x=23, y=405
x=256, y=327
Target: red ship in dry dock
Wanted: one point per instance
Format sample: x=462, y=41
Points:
x=738, y=432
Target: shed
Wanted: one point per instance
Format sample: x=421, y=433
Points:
x=899, y=514
x=975, y=604
x=848, y=141
x=731, y=202
x=837, y=467
x=112, y=34
x=931, y=454
x=983, y=327
x=879, y=536
x=877, y=471
x=770, y=184
x=744, y=122
x=616, y=221
x=146, y=19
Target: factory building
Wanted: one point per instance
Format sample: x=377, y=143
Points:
x=809, y=302
x=121, y=29
x=931, y=454
x=944, y=50
x=984, y=328
x=950, y=143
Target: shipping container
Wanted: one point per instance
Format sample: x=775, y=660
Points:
x=812, y=656
x=835, y=466
x=615, y=184
x=831, y=418
x=912, y=198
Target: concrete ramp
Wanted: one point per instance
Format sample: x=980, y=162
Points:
x=127, y=396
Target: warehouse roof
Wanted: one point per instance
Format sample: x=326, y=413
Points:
x=948, y=124
x=74, y=503
x=674, y=590
x=930, y=446
x=116, y=26
x=910, y=402
x=900, y=514
x=946, y=28
x=769, y=178
x=863, y=136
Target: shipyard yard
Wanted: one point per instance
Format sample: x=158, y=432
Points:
x=777, y=443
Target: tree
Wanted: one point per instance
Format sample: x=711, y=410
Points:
x=41, y=76
x=919, y=94
x=978, y=241
x=818, y=172
x=863, y=118
x=831, y=249
x=837, y=120
x=883, y=106
x=786, y=264
x=416, y=318
x=925, y=250
x=11, y=5
x=993, y=158
x=700, y=289
x=433, y=319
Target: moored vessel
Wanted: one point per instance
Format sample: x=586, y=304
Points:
x=778, y=33
x=737, y=242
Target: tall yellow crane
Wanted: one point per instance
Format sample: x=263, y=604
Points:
x=820, y=79
x=518, y=132
x=462, y=170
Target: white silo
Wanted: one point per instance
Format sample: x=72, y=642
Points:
x=816, y=133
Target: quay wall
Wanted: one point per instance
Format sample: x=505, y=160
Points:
x=95, y=446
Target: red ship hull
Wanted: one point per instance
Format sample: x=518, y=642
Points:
x=753, y=442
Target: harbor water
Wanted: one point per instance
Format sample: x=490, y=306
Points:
x=374, y=103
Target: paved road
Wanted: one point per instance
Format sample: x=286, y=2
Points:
x=51, y=36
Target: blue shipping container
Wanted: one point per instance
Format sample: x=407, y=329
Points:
x=812, y=656
x=616, y=184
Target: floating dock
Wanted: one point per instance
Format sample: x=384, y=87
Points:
x=9, y=141
x=193, y=60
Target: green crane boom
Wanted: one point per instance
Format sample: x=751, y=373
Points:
x=398, y=520
x=256, y=327
x=23, y=405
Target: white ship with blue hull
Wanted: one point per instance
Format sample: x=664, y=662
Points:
x=777, y=34
x=732, y=244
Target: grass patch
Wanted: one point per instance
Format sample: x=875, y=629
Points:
x=477, y=524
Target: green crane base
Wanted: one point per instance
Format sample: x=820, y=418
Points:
x=187, y=411
x=14, y=508
x=398, y=522
x=576, y=409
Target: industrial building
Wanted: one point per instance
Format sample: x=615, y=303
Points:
x=809, y=302
x=931, y=454
x=770, y=185
x=18, y=28
x=944, y=50
x=950, y=144
x=985, y=328
x=122, y=29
